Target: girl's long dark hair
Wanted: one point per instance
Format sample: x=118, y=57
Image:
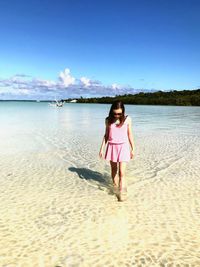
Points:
x=115, y=105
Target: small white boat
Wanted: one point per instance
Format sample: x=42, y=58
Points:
x=56, y=103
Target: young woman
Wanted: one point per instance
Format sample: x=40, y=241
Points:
x=118, y=136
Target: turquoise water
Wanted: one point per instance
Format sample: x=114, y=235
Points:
x=22, y=122
x=75, y=132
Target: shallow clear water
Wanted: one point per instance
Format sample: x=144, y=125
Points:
x=57, y=203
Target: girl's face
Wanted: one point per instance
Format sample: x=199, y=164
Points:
x=117, y=112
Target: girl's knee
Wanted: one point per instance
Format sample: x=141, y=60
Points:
x=121, y=173
x=114, y=172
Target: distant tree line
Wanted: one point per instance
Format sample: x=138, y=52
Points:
x=178, y=98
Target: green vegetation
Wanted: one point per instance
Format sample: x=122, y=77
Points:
x=178, y=98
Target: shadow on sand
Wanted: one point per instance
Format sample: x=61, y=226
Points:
x=102, y=181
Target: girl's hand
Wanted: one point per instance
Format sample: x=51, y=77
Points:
x=101, y=153
x=132, y=154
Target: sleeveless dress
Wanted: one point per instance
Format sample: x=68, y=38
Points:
x=118, y=149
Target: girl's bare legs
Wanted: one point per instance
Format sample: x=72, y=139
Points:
x=122, y=178
x=114, y=172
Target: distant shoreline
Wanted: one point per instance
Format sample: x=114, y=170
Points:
x=170, y=98
x=25, y=100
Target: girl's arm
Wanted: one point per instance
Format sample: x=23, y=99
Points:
x=130, y=134
x=105, y=137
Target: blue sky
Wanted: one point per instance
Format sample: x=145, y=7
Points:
x=73, y=47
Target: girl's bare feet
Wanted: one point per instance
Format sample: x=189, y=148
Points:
x=123, y=194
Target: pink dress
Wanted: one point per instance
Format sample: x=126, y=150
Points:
x=118, y=149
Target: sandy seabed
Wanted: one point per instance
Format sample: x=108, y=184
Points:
x=58, y=207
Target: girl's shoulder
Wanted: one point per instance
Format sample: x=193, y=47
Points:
x=128, y=119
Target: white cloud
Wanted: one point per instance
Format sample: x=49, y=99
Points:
x=44, y=83
x=24, y=91
x=116, y=86
x=65, y=78
x=65, y=87
x=85, y=81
